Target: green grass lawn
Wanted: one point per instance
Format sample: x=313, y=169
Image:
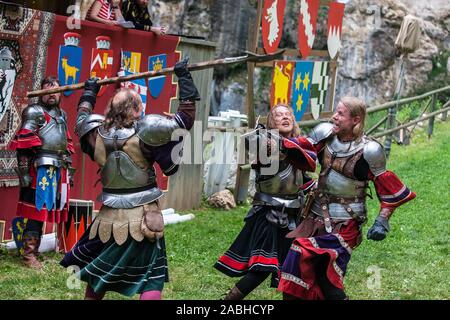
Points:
x=412, y=263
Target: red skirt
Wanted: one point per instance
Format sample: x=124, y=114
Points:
x=299, y=271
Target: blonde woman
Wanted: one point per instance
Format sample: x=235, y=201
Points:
x=260, y=248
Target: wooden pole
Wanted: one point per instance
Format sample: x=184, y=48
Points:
x=333, y=71
x=379, y=123
x=431, y=121
x=192, y=67
x=392, y=114
x=242, y=172
x=252, y=46
x=387, y=105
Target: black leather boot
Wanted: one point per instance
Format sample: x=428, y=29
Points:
x=234, y=294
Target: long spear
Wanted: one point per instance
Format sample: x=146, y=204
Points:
x=249, y=57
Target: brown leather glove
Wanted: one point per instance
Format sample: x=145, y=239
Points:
x=152, y=225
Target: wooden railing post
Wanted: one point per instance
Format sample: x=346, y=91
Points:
x=445, y=108
x=392, y=114
x=390, y=123
x=431, y=121
x=243, y=172
x=444, y=116
x=252, y=45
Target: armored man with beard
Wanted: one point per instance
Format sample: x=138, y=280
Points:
x=124, y=250
x=317, y=260
x=44, y=149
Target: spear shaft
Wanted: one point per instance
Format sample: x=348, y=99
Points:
x=249, y=57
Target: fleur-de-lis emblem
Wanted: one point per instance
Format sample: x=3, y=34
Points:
x=44, y=183
x=51, y=172
x=19, y=226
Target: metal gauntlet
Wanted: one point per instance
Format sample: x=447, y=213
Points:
x=188, y=90
x=91, y=88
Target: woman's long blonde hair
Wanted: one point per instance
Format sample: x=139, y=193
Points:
x=271, y=122
x=357, y=107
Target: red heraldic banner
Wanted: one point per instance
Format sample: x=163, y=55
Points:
x=272, y=24
x=307, y=25
x=335, y=17
x=102, y=60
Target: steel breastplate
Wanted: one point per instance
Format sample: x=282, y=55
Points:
x=340, y=181
x=286, y=182
x=125, y=184
x=121, y=172
x=339, y=185
x=54, y=134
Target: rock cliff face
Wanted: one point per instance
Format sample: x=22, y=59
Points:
x=367, y=64
x=223, y=22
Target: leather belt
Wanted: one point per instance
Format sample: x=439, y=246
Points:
x=261, y=198
x=129, y=190
x=326, y=199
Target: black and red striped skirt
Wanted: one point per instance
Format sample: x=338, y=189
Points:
x=260, y=246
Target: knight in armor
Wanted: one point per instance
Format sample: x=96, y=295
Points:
x=260, y=248
x=124, y=250
x=333, y=217
x=44, y=149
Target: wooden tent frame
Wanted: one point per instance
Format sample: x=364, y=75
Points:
x=243, y=172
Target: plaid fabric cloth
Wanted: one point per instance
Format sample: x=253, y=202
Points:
x=130, y=268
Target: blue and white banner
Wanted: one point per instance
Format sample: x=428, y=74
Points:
x=46, y=187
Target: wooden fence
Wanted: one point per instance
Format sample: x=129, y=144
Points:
x=186, y=185
x=381, y=107
x=429, y=101
x=391, y=127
